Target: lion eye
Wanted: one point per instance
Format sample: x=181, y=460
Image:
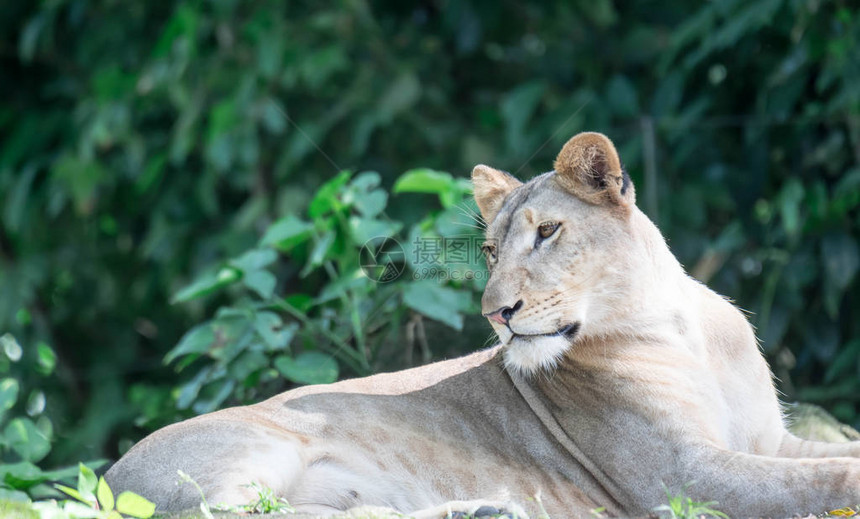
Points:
x=547, y=229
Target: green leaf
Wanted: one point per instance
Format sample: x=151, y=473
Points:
x=111, y=83
x=262, y=282
x=21, y=475
x=517, y=108
x=454, y=196
x=450, y=190
x=234, y=332
x=104, y=494
x=372, y=203
x=11, y=347
x=790, y=198
x=16, y=206
x=423, y=180
x=129, y=503
x=26, y=439
x=437, y=302
x=206, y=284
x=622, y=97
x=310, y=367
x=320, y=65
x=301, y=302
x=87, y=482
x=364, y=229
x=841, y=258
x=400, y=95
x=36, y=402
x=188, y=392
x=365, y=182
x=247, y=363
x=181, y=26
x=197, y=340
x=270, y=327
x=8, y=394
x=222, y=118
x=844, y=364
x=272, y=116
x=286, y=233
x=254, y=260
x=46, y=358
x=319, y=252
x=28, y=41
x=667, y=97
x=67, y=473
x=152, y=174
x=72, y=492
x=214, y=395
x=81, y=178
x=340, y=286
x=326, y=199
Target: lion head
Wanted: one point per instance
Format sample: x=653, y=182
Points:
x=563, y=250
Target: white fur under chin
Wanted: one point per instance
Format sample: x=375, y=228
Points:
x=530, y=355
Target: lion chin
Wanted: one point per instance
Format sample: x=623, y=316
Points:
x=530, y=355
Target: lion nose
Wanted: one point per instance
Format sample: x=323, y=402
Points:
x=505, y=313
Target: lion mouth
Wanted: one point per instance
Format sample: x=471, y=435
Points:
x=567, y=331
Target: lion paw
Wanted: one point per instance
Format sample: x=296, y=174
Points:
x=484, y=512
x=477, y=509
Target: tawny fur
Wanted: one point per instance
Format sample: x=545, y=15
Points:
x=662, y=383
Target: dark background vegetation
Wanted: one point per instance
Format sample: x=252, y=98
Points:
x=170, y=171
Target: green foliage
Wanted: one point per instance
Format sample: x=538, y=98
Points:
x=681, y=506
x=266, y=503
x=92, y=499
x=194, y=151
x=266, y=336
x=779, y=198
x=26, y=432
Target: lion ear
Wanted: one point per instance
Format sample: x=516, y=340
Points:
x=589, y=167
x=491, y=188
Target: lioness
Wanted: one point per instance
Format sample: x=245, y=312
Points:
x=615, y=373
